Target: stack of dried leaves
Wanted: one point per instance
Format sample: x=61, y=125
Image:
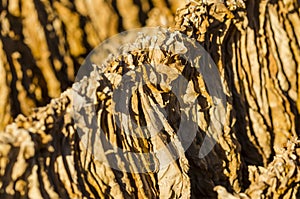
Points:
x=256, y=48
x=39, y=63
x=280, y=179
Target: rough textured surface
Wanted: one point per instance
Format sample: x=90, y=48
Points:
x=43, y=43
x=280, y=179
x=256, y=48
x=258, y=56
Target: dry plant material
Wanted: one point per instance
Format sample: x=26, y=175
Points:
x=256, y=48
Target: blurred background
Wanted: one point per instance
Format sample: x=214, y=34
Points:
x=43, y=43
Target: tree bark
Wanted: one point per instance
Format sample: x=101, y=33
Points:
x=255, y=46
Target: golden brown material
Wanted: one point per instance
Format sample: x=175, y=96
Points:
x=281, y=179
x=43, y=43
x=255, y=46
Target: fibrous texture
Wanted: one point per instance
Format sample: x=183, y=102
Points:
x=255, y=46
x=43, y=43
